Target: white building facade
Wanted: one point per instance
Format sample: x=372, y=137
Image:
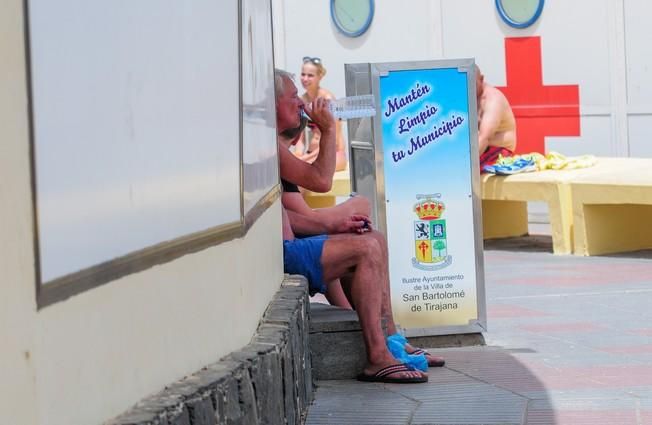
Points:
x=596, y=48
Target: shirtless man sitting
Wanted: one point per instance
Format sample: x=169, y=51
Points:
x=496, y=122
x=351, y=252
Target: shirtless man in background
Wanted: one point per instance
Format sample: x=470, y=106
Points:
x=496, y=122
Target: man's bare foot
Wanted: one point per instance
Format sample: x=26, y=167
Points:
x=433, y=361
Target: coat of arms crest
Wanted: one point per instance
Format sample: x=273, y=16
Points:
x=430, y=237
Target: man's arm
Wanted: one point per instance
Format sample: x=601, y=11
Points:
x=294, y=201
x=310, y=225
x=357, y=206
x=317, y=176
x=340, y=155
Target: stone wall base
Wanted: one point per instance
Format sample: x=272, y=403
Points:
x=268, y=381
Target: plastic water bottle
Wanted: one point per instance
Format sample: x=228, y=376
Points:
x=353, y=107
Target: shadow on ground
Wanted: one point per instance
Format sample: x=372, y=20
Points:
x=528, y=243
x=543, y=243
x=479, y=385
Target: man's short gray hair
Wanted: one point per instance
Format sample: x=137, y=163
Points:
x=279, y=80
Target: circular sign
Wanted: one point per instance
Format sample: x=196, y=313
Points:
x=352, y=17
x=519, y=13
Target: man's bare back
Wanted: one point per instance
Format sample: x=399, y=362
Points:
x=496, y=122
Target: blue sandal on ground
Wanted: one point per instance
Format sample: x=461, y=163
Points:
x=382, y=375
x=418, y=359
x=396, y=346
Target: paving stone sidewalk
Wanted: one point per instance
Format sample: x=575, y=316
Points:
x=569, y=342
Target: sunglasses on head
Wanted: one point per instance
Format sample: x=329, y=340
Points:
x=316, y=61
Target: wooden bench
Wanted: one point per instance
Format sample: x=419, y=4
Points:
x=504, y=205
x=612, y=206
x=596, y=210
x=341, y=187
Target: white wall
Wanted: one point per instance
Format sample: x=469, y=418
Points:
x=128, y=151
x=569, y=56
x=601, y=45
x=400, y=31
x=89, y=358
x=17, y=285
x=638, y=39
x=112, y=345
x=598, y=44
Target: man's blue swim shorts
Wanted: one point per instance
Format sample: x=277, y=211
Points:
x=303, y=256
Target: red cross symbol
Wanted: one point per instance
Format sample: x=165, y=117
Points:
x=540, y=110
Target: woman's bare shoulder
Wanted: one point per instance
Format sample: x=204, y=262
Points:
x=326, y=93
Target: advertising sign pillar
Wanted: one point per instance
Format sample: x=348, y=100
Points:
x=426, y=175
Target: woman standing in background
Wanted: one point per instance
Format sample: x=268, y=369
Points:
x=307, y=148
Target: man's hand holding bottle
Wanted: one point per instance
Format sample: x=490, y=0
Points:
x=319, y=112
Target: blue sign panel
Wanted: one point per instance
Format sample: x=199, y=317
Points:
x=427, y=128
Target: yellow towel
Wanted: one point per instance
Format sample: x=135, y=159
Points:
x=557, y=161
x=551, y=161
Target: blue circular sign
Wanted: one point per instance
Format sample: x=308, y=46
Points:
x=519, y=13
x=352, y=17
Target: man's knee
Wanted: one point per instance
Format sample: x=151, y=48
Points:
x=359, y=248
x=372, y=249
x=379, y=237
x=380, y=240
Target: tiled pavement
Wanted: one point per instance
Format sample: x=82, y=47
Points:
x=569, y=343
